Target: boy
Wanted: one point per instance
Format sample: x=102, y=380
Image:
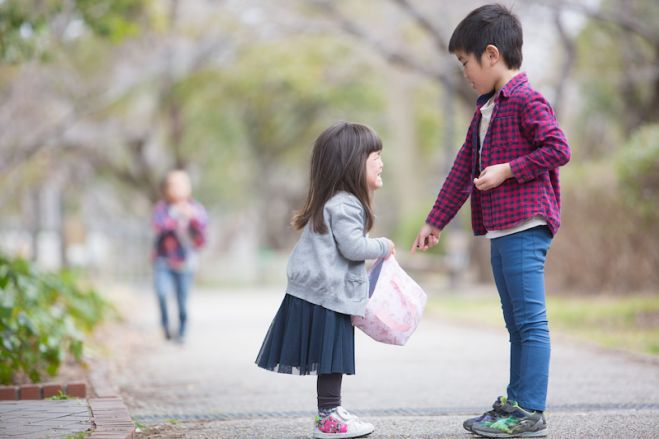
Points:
x=509, y=165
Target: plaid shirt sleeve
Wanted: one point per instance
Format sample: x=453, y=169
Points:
x=198, y=225
x=539, y=126
x=456, y=188
x=163, y=223
x=160, y=220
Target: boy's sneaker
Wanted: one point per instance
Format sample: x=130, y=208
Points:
x=519, y=423
x=341, y=424
x=500, y=408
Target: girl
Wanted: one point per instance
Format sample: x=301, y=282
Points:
x=180, y=225
x=327, y=283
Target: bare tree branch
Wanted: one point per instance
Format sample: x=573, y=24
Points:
x=568, y=63
x=43, y=138
x=442, y=75
x=392, y=56
x=137, y=175
x=629, y=20
x=424, y=23
x=618, y=17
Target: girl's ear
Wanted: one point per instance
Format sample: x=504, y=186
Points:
x=492, y=54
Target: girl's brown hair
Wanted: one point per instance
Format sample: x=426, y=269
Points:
x=338, y=163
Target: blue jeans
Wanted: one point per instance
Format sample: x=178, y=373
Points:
x=518, y=264
x=166, y=279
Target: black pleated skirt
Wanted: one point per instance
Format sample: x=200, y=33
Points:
x=306, y=339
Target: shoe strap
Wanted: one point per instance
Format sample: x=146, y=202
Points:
x=345, y=414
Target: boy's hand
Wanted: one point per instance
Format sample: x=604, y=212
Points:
x=428, y=237
x=493, y=176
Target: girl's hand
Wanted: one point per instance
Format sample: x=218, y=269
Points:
x=493, y=176
x=428, y=237
x=392, y=248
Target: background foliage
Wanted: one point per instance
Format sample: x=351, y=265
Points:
x=43, y=318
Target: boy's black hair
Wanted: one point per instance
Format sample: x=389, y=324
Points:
x=490, y=24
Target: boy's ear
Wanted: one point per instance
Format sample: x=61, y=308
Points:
x=492, y=54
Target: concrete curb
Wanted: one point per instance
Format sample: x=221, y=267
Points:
x=109, y=414
x=111, y=419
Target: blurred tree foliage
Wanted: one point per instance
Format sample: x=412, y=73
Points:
x=236, y=93
x=252, y=126
x=29, y=28
x=617, y=75
x=638, y=167
x=609, y=241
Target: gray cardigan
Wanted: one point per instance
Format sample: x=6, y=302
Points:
x=329, y=270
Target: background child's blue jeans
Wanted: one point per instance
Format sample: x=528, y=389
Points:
x=518, y=264
x=166, y=279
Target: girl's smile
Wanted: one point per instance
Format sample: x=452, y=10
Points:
x=374, y=168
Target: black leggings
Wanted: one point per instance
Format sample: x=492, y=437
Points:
x=329, y=390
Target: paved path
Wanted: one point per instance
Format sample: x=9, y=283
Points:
x=44, y=419
x=95, y=418
x=210, y=387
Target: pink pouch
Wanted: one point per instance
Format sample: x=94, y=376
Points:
x=395, y=306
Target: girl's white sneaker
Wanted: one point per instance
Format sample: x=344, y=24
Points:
x=341, y=424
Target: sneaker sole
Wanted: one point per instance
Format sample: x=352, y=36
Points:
x=469, y=428
x=539, y=433
x=321, y=435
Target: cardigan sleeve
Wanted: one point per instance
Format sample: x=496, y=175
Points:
x=347, y=224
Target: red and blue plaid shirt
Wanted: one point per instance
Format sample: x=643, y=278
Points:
x=523, y=132
x=170, y=244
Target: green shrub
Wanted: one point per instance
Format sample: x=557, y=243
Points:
x=638, y=168
x=43, y=317
x=608, y=239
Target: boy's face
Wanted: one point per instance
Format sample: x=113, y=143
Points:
x=481, y=76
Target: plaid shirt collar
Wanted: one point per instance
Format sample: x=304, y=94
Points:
x=506, y=91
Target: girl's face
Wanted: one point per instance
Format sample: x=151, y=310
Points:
x=177, y=187
x=374, y=167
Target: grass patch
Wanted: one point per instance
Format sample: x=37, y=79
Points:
x=60, y=396
x=141, y=428
x=628, y=322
